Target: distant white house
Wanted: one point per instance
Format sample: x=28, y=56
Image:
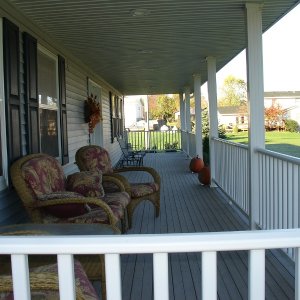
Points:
x=232, y=116
x=134, y=108
x=289, y=101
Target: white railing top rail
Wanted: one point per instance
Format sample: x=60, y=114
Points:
x=230, y=143
x=156, y=243
x=285, y=157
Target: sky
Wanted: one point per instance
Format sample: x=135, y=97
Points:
x=281, y=55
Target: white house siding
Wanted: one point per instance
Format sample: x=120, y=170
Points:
x=76, y=85
x=76, y=91
x=11, y=208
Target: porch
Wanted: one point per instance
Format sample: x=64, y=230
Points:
x=188, y=207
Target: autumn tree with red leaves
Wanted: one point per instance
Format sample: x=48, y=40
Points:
x=274, y=116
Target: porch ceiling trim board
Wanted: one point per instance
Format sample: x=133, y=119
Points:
x=121, y=47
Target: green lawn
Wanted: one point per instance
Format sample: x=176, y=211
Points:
x=283, y=142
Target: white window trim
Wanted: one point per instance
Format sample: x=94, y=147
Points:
x=54, y=57
x=4, y=177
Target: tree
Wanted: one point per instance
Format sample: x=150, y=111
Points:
x=291, y=125
x=234, y=92
x=165, y=108
x=273, y=116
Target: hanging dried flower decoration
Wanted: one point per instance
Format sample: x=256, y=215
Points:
x=93, y=113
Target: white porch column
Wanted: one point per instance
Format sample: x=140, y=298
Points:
x=187, y=118
x=182, y=112
x=212, y=112
x=182, y=122
x=198, y=133
x=256, y=131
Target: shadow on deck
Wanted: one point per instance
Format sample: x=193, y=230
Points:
x=186, y=206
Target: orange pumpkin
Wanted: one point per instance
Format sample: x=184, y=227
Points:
x=204, y=175
x=196, y=164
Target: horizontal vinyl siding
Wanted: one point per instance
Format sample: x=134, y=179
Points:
x=78, y=136
x=76, y=91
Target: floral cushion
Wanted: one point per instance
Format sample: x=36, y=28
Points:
x=44, y=284
x=43, y=175
x=88, y=184
x=110, y=187
x=143, y=189
x=96, y=158
x=64, y=210
x=119, y=199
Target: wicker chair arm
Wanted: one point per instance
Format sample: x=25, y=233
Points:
x=120, y=180
x=149, y=170
x=84, y=200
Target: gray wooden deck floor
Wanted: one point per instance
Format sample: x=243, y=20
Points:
x=186, y=206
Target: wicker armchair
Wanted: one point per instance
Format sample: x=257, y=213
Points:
x=91, y=158
x=40, y=183
x=93, y=265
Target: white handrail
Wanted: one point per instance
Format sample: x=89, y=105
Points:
x=152, y=243
x=159, y=245
x=281, y=156
x=230, y=143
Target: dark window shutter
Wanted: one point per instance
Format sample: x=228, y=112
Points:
x=31, y=94
x=63, y=109
x=11, y=53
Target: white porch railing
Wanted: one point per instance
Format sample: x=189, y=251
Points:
x=279, y=190
x=188, y=143
x=159, y=245
x=279, y=183
x=231, y=160
x=155, y=140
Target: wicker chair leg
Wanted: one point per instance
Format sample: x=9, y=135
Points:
x=157, y=205
x=124, y=222
x=103, y=281
x=154, y=199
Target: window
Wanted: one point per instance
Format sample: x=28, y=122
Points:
x=116, y=112
x=48, y=102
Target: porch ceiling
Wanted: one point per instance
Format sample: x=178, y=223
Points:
x=155, y=53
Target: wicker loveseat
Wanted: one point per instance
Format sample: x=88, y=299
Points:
x=95, y=158
x=40, y=183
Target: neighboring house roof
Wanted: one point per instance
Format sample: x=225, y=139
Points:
x=282, y=94
x=229, y=110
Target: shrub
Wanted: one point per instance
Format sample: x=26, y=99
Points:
x=171, y=146
x=205, y=145
x=222, y=132
x=235, y=129
x=291, y=126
